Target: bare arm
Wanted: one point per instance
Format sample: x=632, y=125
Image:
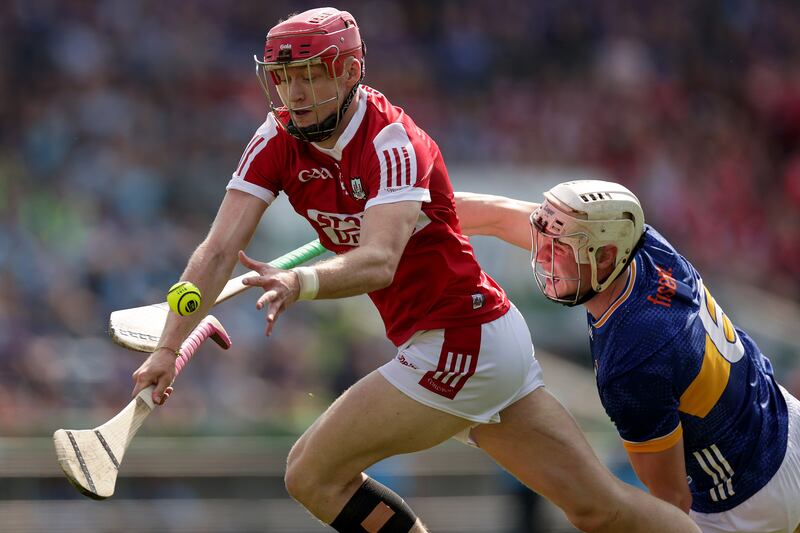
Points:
x=497, y=216
x=209, y=268
x=211, y=264
x=385, y=231
x=664, y=473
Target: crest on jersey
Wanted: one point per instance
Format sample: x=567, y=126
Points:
x=358, y=189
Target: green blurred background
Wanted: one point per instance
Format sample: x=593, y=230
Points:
x=121, y=122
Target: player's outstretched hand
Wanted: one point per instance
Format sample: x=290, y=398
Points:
x=281, y=288
x=158, y=370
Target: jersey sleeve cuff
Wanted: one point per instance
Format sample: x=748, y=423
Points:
x=655, y=445
x=239, y=184
x=415, y=194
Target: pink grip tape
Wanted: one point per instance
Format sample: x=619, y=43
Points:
x=203, y=331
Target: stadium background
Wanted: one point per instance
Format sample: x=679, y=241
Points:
x=120, y=124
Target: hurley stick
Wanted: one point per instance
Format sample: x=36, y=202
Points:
x=90, y=458
x=139, y=328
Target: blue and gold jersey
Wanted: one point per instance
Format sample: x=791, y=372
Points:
x=670, y=364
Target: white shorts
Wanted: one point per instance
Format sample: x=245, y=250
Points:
x=776, y=507
x=473, y=372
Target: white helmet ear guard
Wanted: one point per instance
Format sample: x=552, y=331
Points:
x=588, y=215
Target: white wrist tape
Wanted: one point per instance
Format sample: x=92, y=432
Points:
x=309, y=282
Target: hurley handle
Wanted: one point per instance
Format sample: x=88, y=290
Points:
x=208, y=327
x=299, y=256
x=294, y=258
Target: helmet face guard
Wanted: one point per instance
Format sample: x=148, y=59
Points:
x=553, y=245
x=323, y=36
x=269, y=76
x=583, y=217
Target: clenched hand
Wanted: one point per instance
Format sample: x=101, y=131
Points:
x=158, y=370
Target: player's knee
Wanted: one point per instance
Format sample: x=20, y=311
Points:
x=592, y=517
x=300, y=483
x=298, y=479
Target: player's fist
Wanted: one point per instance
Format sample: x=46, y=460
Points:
x=157, y=370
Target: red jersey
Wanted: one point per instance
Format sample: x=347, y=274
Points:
x=381, y=157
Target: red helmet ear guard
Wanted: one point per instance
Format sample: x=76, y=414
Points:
x=325, y=33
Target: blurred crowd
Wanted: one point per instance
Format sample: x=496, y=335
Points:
x=122, y=121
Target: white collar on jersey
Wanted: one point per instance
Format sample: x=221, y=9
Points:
x=350, y=131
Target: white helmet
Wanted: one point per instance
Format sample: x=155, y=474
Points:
x=587, y=215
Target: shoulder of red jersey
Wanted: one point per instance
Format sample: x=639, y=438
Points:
x=380, y=104
x=254, y=173
x=402, y=154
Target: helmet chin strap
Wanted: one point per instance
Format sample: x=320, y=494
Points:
x=580, y=301
x=323, y=130
x=591, y=293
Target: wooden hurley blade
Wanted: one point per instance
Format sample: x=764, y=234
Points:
x=138, y=328
x=90, y=458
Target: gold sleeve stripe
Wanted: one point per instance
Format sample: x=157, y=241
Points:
x=711, y=305
x=727, y=327
x=655, y=445
x=628, y=290
x=704, y=391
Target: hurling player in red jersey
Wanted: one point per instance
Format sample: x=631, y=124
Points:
x=375, y=188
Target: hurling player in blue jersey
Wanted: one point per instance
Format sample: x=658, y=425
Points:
x=704, y=422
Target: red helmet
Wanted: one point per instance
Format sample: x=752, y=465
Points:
x=319, y=36
x=325, y=33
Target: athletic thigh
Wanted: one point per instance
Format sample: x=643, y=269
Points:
x=372, y=420
x=539, y=442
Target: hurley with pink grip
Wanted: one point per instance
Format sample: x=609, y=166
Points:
x=90, y=458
